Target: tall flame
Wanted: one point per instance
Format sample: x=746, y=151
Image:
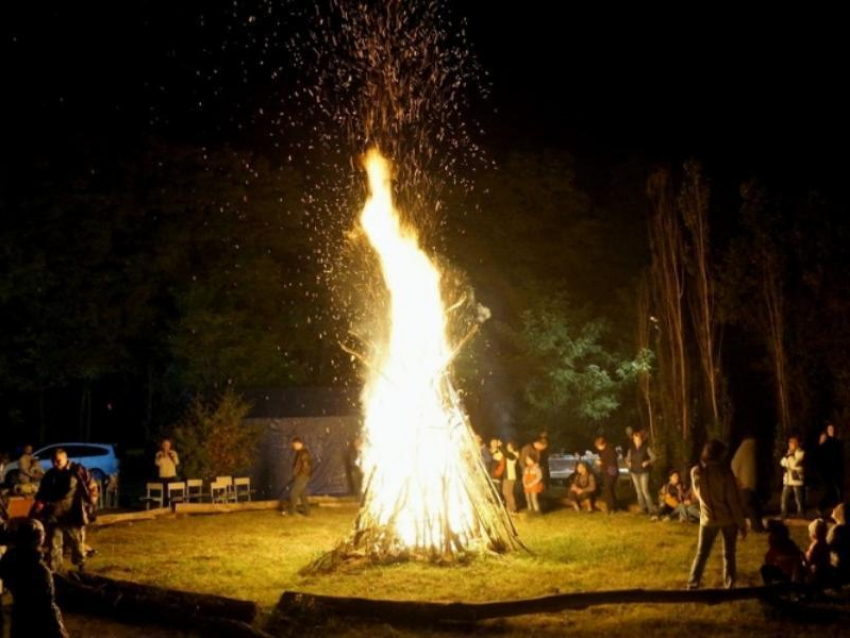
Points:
x=422, y=467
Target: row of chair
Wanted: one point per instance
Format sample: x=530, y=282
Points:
x=224, y=489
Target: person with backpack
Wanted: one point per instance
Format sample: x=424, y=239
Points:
x=793, y=477
x=64, y=504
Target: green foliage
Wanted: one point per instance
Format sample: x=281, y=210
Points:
x=213, y=439
x=576, y=378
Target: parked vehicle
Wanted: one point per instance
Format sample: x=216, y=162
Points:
x=98, y=458
x=562, y=466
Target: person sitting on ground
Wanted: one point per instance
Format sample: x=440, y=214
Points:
x=671, y=497
x=29, y=471
x=532, y=483
x=783, y=562
x=817, y=555
x=838, y=540
x=34, y=612
x=583, y=489
x=689, y=507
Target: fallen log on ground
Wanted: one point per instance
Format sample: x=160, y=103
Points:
x=131, y=517
x=131, y=602
x=297, y=603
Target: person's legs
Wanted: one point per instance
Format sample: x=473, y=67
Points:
x=704, y=544
x=799, y=500
x=786, y=497
x=53, y=542
x=751, y=506
x=587, y=504
x=74, y=536
x=638, y=491
x=730, y=537
x=298, y=492
x=305, y=504
x=693, y=513
x=608, y=492
x=508, y=493
x=533, y=504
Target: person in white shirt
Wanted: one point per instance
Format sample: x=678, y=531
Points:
x=793, y=479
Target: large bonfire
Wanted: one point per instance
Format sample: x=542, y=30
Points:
x=426, y=491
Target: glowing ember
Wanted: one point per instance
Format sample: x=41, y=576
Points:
x=426, y=487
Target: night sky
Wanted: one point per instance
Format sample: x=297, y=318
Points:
x=747, y=91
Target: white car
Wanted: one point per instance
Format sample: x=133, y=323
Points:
x=98, y=458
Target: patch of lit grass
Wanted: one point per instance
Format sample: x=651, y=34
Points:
x=258, y=555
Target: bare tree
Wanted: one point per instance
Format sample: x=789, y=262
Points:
x=693, y=205
x=668, y=276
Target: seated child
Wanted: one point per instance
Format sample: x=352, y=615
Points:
x=817, y=556
x=838, y=541
x=783, y=562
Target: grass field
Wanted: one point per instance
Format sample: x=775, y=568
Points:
x=258, y=555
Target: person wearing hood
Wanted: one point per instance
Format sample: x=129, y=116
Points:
x=721, y=512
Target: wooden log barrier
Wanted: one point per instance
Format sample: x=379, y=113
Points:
x=299, y=604
x=131, y=602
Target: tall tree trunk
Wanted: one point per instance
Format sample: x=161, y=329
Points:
x=668, y=279
x=646, y=326
x=693, y=204
x=774, y=306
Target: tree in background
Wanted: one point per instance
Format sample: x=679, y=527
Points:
x=576, y=382
x=213, y=439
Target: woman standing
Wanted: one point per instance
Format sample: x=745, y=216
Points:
x=639, y=460
x=721, y=512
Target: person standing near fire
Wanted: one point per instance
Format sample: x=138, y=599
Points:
x=302, y=470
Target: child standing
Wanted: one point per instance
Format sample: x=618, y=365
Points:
x=532, y=483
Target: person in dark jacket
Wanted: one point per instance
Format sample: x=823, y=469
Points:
x=831, y=461
x=63, y=505
x=302, y=470
x=609, y=470
x=721, y=512
x=639, y=459
x=34, y=612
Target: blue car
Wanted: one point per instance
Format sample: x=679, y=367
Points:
x=98, y=458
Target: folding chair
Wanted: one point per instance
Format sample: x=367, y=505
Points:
x=176, y=492
x=241, y=487
x=219, y=492
x=227, y=481
x=194, y=490
x=154, y=495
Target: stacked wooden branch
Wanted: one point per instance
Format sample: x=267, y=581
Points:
x=131, y=602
